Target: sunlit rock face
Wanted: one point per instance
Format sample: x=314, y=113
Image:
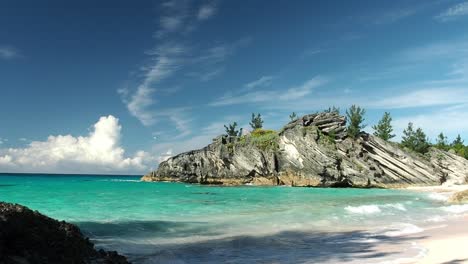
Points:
x=311, y=151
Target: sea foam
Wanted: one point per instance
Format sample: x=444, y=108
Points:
x=372, y=208
x=438, y=197
x=404, y=229
x=363, y=209
x=456, y=208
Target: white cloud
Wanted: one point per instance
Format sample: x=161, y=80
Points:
x=435, y=51
x=166, y=59
x=99, y=152
x=450, y=121
x=263, y=81
x=396, y=15
x=171, y=23
x=210, y=63
x=8, y=52
x=424, y=97
x=169, y=56
x=165, y=156
x=453, y=12
x=206, y=11
x=270, y=95
x=203, y=137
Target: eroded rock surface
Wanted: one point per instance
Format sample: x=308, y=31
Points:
x=27, y=236
x=312, y=151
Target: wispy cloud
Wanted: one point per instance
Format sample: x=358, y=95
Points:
x=424, y=97
x=263, y=81
x=7, y=52
x=209, y=64
x=168, y=57
x=204, y=136
x=206, y=11
x=395, y=15
x=270, y=95
x=453, y=12
x=434, y=51
x=452, y=119
x=166, y=61
x=174, y=18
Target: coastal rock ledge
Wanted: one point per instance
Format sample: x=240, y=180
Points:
x=312, y=151
x=28, y=237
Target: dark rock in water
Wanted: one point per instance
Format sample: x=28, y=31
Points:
x=28, y=237
x=312, y=151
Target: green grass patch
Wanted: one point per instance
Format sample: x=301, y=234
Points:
x=263, y=139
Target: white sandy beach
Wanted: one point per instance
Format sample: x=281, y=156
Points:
x=448, y=243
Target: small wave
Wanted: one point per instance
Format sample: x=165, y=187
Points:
x=122, y=180
x=397, y=206
x=456, y=208
x=438, y=197
x=363, y=209
x=404, y=229
x=436, y=219
x=372, y=208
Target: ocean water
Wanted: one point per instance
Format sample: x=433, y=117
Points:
x=182, y=223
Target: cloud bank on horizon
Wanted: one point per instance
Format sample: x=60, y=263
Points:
x=99, y=152
x=173, y=73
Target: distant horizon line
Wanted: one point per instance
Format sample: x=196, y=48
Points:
x=65, y=174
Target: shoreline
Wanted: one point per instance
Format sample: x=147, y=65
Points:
x=444, y=241
x=446, y=244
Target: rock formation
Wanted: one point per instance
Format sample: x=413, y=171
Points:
x=459, y=197
x=27, y=236
x=311, y=151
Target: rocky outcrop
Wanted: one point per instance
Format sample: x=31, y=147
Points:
x=459, y=197
x=311, y=151
x=27, y=236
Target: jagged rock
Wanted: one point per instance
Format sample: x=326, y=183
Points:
x=459, y=197
x=27, y=236
x=313, y=151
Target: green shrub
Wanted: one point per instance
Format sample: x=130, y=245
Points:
x=263, y=139
x=262, y=132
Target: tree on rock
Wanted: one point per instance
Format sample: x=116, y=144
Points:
x=441, y=142
x=415, y=140
x=384, y=128
x=458, y=146
x=257, y=121
x=355, y=115
x=333, y=110
x=232, y=131
x=293, y=116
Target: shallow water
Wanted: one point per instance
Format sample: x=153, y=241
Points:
x=181, y=223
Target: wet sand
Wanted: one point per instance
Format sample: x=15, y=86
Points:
x=447, y=242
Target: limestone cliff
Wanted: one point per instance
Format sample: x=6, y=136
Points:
x=311, y=151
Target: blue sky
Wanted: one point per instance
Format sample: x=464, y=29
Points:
x=117, y=86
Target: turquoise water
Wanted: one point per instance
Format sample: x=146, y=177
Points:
x=181, y=223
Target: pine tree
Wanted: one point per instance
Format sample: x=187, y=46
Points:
x=458, y=146
x=408, y=138
x=333, y=110
x=293, y=116
x=232, y=131
x=257, y=121
x=415, y=140
x=422, y=142
x=355, y=115
x=384, y=128
x=441, y=142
